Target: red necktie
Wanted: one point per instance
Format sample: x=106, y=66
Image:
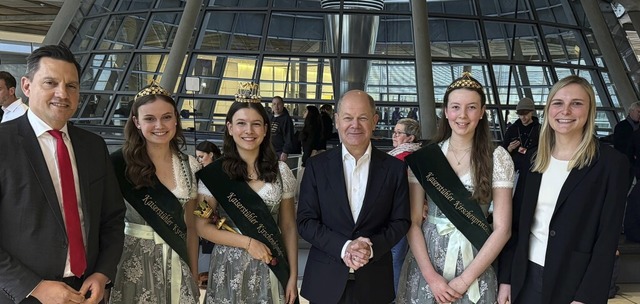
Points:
x=70, y=205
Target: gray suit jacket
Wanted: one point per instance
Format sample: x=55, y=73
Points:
x=33, y=241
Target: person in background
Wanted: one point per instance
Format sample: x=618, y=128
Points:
x=281, y=129
x=327, y=124
x=159, y=262
x=61, y=215
x=413, y=114
x=353, y=209
x=461, y=173
x=623, y=131
x=395, y=116
x=568, y=208
x=406, y=136
x=207, y=152
x=521, y=138
x=255, y=259
x=311, y=134
x=12, y=106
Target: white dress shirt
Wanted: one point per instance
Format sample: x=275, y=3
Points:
x=14, y=110
x=48, y=147
x=356, y=176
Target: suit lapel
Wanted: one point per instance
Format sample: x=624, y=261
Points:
x=83, y=162
x=338, y=183
x=375, y=182
x=27, y=139
x=574, y=178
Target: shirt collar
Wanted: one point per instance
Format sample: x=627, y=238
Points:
x=40, y=127
x=14, y=105
x=346, y=154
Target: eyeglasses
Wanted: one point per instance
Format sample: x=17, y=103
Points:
x=398, y=133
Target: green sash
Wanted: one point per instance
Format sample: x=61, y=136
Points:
x=446, y=190
x=249, y=213
x=157, y=205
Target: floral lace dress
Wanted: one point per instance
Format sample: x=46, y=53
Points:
x=412, y=287
x=234, y=276
x=147, y=268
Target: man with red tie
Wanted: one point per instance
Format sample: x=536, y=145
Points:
x=61, y=215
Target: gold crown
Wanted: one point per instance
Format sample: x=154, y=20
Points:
x=248, y=92
x=153, y=89
x=466, y=81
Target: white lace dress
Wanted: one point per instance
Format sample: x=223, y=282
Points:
x=146, y=268
x=234, y=276
x=412, y=287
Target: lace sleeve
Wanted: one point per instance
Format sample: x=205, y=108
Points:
x=503, y=172
x=194, y=165
x=202, y=189
x=288, y=180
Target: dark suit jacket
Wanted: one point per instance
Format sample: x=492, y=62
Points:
x=583, y=232
x=33, y=241
x=622, y=136
x=325, y=221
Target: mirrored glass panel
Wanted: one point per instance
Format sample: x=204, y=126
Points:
x=104, y=72
x=395, y=36
x=449, y=40
x=93, y=107
x=123, y=32
x=233, y=31
x=454, y=7
x=296, y=33
x=516, y=9
x=296, y=4
x=296, y=78
x=87, y=35
x=392, y=81
x=161, y=30
x=565, y=45
x=238, y=3
x=511, y=41
x=516, y=82
x=444, y=73
x=145, y=69
x=551, y=11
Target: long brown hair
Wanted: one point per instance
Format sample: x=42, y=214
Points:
x=140, y=169
x=482, y=146
x=232, y=163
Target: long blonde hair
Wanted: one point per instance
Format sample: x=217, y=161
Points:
x=588, y=147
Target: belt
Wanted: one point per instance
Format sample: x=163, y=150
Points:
x=147, y=233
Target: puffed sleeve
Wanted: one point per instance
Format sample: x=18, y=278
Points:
x=288, y=180
x=503, y=172
x=202, y=189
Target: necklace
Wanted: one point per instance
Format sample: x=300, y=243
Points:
x=453, y=149
x=252, y=176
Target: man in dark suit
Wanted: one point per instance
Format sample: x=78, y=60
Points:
x=61, y=214
x=353, y=208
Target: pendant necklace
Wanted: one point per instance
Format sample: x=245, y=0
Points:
x=456, y=156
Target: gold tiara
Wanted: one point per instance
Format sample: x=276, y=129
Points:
x=153, y=89
x=466, y=81
x=248, y=92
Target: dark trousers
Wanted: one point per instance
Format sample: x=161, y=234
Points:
x=348, y=296
x=532, y=289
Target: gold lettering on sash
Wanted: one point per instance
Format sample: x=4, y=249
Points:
x=431, y=178
x=166, y=218
x=253, y=219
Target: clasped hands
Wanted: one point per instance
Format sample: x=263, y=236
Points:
x=358, y=253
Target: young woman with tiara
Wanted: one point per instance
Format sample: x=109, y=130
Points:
x=255, y=259
x=157, y=181
x=461, y=173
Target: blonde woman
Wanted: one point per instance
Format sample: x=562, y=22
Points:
x=567, y=209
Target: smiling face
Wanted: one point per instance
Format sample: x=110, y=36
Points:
x=157, y=121
x=248, y=129
x=355, y=120
x=569, y=111
x=463, y=112
x=53, y=91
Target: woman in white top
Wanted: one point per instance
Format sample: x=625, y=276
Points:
x=567, y=209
